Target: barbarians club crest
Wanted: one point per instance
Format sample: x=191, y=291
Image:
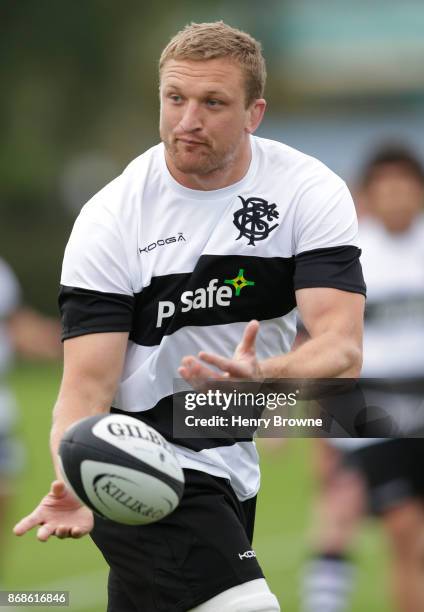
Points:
x=254, y=218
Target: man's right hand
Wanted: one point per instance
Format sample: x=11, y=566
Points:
x=59, y=513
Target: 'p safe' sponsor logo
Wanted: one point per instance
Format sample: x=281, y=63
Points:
x=205, y=297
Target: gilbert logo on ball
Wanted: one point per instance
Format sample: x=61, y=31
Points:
x=121, y=468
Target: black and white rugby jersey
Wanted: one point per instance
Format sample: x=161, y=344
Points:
x=184, y=270
x=394, y=317
x=393, y=265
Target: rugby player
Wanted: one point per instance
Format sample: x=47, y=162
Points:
x=23, y=331
x=10, y=450
x=191, y=262
x=382, y=476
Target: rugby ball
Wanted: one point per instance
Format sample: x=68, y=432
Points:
x=121, y=468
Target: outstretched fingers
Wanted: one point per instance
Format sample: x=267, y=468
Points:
x=58, y=488
x=76, y=532
x=196, y=373
x=62, y=532
x=27, y=523
x=247, y=343
x=228, y=367
x=44, y=532
x=241, y=365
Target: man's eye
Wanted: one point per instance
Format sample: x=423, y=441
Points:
x=213, y=102
x=175, y=98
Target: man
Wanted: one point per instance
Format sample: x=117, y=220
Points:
x=209, y=205
x=25, y=331
x=383, y=476
x=10, y=449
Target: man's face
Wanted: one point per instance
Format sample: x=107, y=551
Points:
x=204, y=121
x=395, y=197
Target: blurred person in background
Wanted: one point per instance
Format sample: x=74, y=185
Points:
x=23, y=331
x=382, y=476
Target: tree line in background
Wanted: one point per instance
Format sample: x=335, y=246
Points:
x=77, y=76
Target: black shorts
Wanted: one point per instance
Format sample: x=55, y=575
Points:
x=203, y=548
x=393, y=471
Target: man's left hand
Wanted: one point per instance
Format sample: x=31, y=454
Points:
x=243, y=365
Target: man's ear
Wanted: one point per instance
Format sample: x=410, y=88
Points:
x=255, y=114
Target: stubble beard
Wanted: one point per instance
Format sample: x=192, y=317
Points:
x=205, y=162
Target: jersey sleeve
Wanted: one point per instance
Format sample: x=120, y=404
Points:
x=10, y=293
x=326, y=238
x=96, y=294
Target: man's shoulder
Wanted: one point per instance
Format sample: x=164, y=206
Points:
x=299, y=165
x=10, y=290
x=419, y=224
x=373, y=232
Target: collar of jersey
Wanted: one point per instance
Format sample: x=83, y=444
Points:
x=214, y=194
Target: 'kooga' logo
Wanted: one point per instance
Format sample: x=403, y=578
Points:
x=249, y=554
x=204, y=297
x=163, y=242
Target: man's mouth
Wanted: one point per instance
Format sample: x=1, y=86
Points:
x=189, y=141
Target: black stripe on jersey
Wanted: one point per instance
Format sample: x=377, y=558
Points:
x=161, y=418
x=394, y=308
x=85, y=311
x=220, y=290
x=336, y=267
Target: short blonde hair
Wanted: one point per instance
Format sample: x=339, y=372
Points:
x=204, y=41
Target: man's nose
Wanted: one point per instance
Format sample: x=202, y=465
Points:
x=191, y=119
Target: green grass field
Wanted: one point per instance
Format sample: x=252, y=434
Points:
x=76, y=566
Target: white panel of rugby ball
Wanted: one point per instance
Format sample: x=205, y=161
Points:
x=121, y=468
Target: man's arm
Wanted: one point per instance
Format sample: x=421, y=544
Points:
x=92, y=368
x=334, y=321
x=33, y=335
